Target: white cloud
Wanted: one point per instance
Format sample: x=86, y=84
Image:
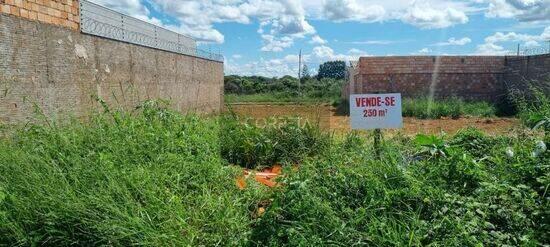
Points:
x=317, y=40
x=325, y=53
x=423, y=51
x=286, y=18
x=237, y=56
x=491, y=46
x=512, y=36
x=531, y=44
x=281, y=18
x=357, y=51
x=491, y=49
x=269, y=68
x=523, y=10
x=546, y=33
x=282, y=22
x=274, y=44
x=454, y=41
x=288, y=64
x=424, y=16
x=351, y=10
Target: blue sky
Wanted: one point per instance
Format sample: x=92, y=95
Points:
x=264, y=37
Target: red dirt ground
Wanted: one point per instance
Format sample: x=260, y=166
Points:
x=326, y=117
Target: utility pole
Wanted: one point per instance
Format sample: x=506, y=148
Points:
x=300, y=68
x=518, y=50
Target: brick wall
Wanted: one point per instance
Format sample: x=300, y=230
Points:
x=527, y=68
x=469, y=77
x=57, y=12
x=62, y=71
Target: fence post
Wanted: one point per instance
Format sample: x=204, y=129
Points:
x=123, y=29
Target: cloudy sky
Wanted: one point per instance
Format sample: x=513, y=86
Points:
x=264, y=37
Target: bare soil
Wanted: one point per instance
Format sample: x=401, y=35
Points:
x=327, y=118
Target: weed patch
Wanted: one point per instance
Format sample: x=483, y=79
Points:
x=287, y=141
x=423, y=108
x=157, y=178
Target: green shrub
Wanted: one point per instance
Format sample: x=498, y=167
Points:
x=346, y=197
x=249, y=145
x=423, y=108
x=535, y=111
x=284, y=89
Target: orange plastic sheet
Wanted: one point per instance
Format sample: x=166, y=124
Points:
x=266, y=176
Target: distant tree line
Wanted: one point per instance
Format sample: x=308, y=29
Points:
x=327, y=83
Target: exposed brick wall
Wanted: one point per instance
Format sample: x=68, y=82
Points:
x=469, y=77
x=526, y=70
x=57, y=12
x=61, y=71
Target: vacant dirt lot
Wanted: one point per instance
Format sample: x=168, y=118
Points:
x=327, y=118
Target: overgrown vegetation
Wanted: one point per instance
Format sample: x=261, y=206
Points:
x=154, y=179
x=535, y=110
x=278, y=98
x=284, y=89
x=423, y=108
x=432, y=191
x=325, y=87
x=251, y=146
x=159, y=178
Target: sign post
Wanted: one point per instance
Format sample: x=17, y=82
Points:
x=376, y=111
x=377, y=140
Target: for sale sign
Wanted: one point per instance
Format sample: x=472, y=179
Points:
x=376, y=111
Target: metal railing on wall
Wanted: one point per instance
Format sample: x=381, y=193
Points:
x=530, y=51
x=535, y=51
x=104, y=22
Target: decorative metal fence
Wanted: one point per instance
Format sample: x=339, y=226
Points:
x=100, y=21
x=530, y=51
x=536, y=51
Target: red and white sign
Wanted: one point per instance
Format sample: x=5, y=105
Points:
x=376, y=111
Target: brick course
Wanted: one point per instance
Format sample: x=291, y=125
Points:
x=521, y=72
x=469, y=77
x=56, y=12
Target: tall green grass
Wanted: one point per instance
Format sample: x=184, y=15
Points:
x=535, y=110
x=158, y=178
x=284, y=141
x=472, y=195
x=423, y=108
x=155, y=179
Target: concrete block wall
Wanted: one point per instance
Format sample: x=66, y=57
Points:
x=57, y=12
x=469, y=77
x=61, y=71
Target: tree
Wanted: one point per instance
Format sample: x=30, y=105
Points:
x=332, y=69
x=305, y=73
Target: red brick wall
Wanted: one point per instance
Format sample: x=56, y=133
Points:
x=525, y=71
x=57, y=12
x=469, y=77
